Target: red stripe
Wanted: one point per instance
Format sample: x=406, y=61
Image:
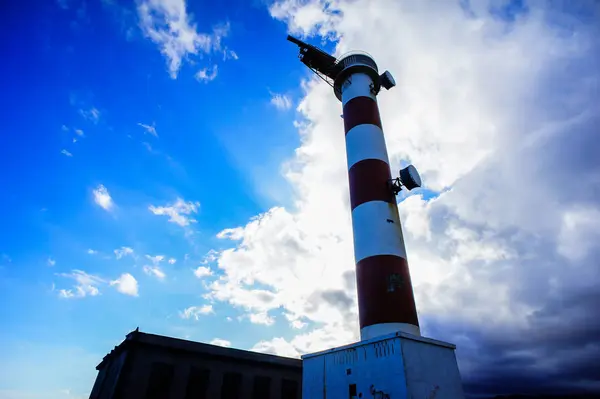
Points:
x=361, y=110
x=376, y=302
x=369, y=182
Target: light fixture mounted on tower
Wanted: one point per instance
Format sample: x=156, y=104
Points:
x=409, y=179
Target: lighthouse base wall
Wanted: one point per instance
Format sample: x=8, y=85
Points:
x=395, y=366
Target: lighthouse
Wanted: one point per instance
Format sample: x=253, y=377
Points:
x=392, y=360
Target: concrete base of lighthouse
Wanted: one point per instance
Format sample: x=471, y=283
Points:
x=394, y=366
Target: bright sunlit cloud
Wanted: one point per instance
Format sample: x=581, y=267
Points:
x=102, y=198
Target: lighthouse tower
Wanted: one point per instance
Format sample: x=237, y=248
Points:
x=385, y=296
x=392, y=360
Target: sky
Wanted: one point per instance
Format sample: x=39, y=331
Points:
x=171, y=165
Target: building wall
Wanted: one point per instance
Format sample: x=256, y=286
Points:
x=431, y=371
x=136, y=374
x=377, y=364
x=396, y=367
x=108, y=377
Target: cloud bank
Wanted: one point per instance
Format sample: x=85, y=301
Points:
x=497, y=105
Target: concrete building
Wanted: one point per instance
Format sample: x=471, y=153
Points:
x=148, y=366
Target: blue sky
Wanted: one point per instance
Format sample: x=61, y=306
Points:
x=86, y=66
x=171, y=165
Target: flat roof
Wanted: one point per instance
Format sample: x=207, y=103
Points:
x=181, y=345
x=382, y=338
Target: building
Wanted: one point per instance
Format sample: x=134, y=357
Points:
x=148, y=366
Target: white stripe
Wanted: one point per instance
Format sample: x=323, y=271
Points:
x=365, y=142
x=356, y=85
x=377, y=230
x=377, y=330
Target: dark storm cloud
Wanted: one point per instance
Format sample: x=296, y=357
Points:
x=546, y=167
x=556, y=351
x=349, y=278
x=342, y=300
x=338, y=298
x=265, y=297
x=541, y=359
x=524, y=312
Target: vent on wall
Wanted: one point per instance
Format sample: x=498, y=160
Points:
x=383, y=348
x=346, y=356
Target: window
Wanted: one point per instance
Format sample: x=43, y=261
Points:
x=197, y=385
x=230, y=389
x=289, y=389
x=261, y=388
x=159, y=382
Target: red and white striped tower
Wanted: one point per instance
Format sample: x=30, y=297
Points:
x=386, y=302
x=388, y=317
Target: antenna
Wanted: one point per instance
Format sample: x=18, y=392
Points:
x=409, y=179
x=318, y=61
x=336, y=71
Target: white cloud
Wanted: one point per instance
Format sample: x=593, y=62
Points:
x=261, y=318
x=154, y=271
x=196, y=311
x=484, y=251
x=51, y=262
x=178, y=212
x=311, y=341
x=66, y=153
x=203, y=271
x=297, y=324
x=308, y=17
x=210, y=256
x=86, y=284
x=579, y=233
x=206, y=75
x=155, y=259
x=122, y=252
x=79, y=132
x=168, y=25
x=221, y=342
x=276, y=346
x=229, y=54
x=126, y=284
x=92, y=251
x=281, y=101
x=231, y=234
x=92, y=114
x=150, y=129
x=103, y=198
x=172, y=261
x=66, y=293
